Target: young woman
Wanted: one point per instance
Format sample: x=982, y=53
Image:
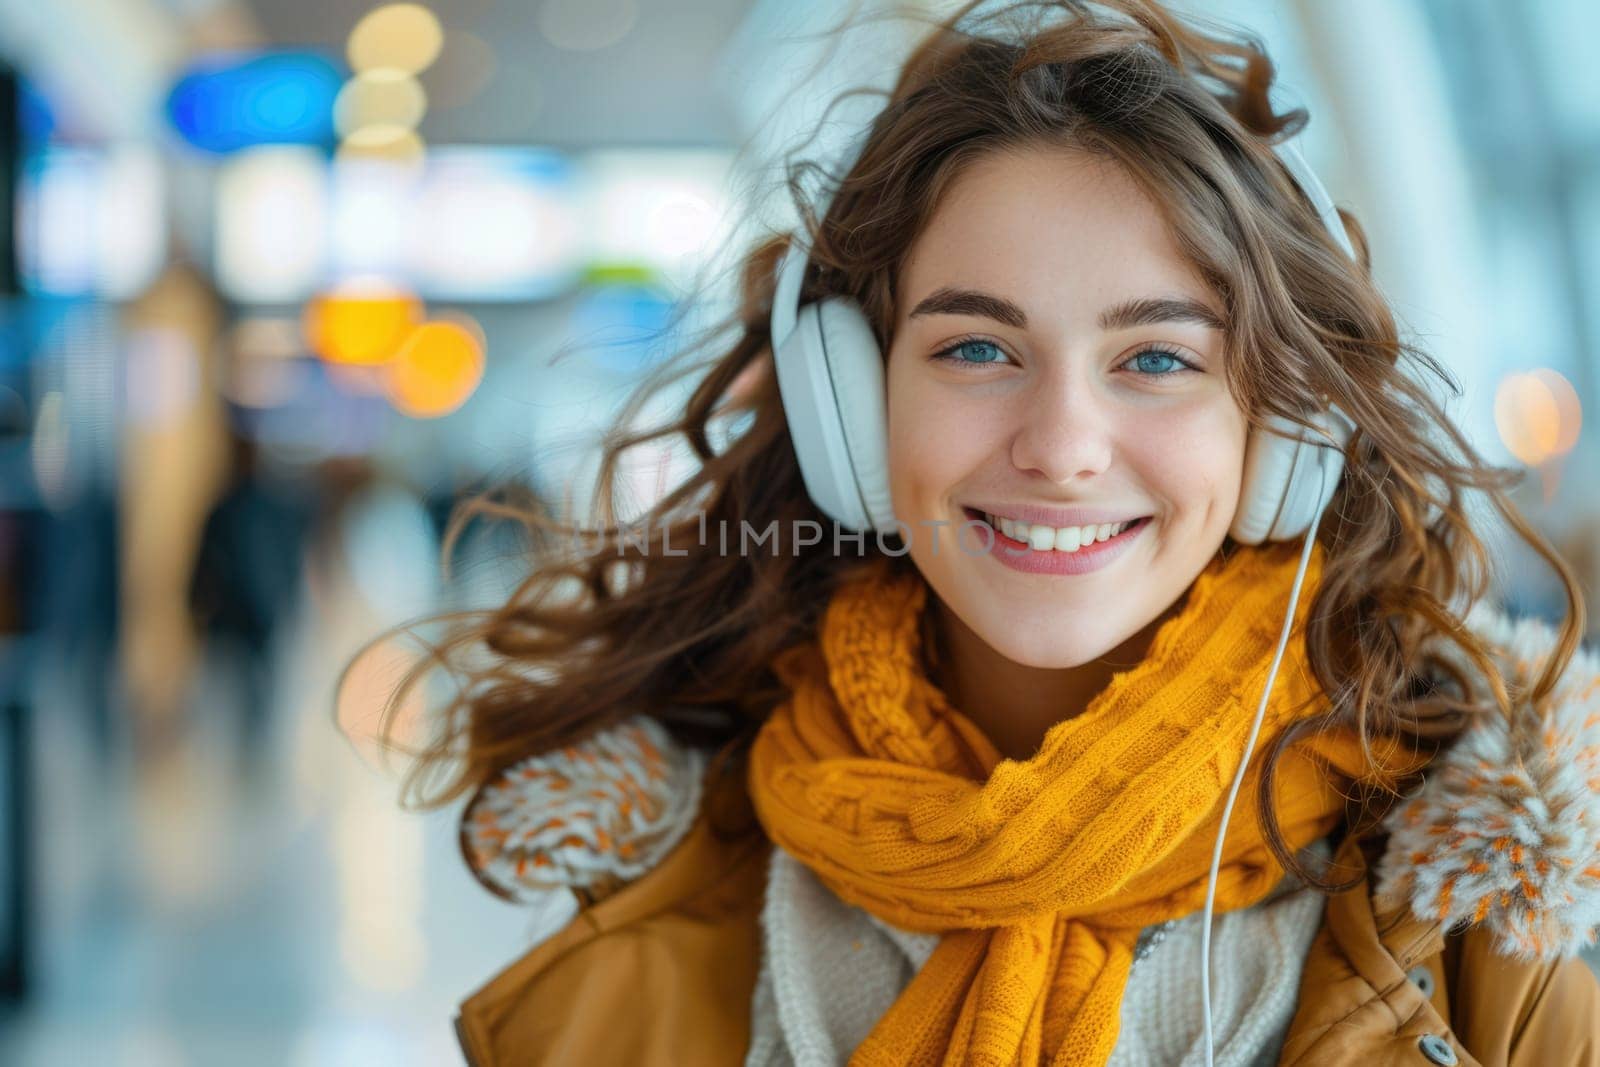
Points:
x=947, y=791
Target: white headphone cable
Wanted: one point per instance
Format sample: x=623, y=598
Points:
x=1227, y=810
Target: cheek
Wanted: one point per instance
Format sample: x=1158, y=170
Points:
x=1194, y=453
x=937, y=438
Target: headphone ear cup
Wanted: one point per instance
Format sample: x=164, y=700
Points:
x=855, y=363
x=830, y=376
x=1289, y=479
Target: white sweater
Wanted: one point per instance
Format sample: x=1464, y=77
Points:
x=829, y=971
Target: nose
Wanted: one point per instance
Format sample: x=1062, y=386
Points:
x=1065, y=432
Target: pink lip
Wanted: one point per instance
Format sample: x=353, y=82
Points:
x=1020, y=556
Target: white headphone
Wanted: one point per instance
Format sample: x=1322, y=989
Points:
x=830, y=376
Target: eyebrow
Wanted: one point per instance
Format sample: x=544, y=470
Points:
x=1138, y=311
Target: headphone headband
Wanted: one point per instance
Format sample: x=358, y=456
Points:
x=1311, y=185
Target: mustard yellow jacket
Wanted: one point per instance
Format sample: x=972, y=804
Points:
x=662, y=971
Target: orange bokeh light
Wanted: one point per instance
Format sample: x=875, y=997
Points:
x=1569, y=410
x=436, y=369
x=1538, y=415
x=1526, y=415
x=360, y=328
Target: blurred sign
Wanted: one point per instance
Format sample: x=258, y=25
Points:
x=270, y=232
x=467, y=224
x=665, y=210
x=473, y=224
x=91, y=221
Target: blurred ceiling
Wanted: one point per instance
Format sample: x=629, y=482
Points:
x=651, y=87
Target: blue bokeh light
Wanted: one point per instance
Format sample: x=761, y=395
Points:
x=623, y=327
x=229, y=101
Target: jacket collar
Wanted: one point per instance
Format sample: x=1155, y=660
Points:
x=1505, y=829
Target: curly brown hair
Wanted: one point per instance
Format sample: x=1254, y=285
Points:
x=621, y=627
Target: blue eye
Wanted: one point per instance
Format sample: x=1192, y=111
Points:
x=1152, y=362
x=1159, y=363
x=978, y=352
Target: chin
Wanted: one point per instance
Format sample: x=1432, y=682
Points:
x=1047, y=650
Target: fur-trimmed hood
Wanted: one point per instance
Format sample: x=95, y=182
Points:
x=1505, y=829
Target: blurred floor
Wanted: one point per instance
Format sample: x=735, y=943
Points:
x=288, y=912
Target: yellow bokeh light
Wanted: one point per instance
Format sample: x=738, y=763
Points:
x=1528, y=418
x=383, y=97
x=389, y=143
x=404, y=37
x=437, y=368
x=360, y=327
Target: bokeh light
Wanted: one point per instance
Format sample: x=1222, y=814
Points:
x=1538, y=416
x=403, y=37
x=622, y=326
x=361, y=326
x=271, y=226
x=383, y=97
x=384, y=141
x=437, y=368
x=1568, y=409
x=227, y=101
x=585, y=25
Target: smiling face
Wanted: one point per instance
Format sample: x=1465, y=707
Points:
x=1056, y=360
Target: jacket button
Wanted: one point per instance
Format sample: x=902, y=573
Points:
x=1438, y=1050
x=1422, y=978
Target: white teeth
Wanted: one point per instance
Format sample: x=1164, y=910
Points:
x=1060, y=539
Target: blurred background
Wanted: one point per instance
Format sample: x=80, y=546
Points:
x=283, y=280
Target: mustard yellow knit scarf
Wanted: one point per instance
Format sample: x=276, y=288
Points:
x=1041, y=873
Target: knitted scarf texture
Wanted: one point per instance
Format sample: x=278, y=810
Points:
x=1039, y=874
